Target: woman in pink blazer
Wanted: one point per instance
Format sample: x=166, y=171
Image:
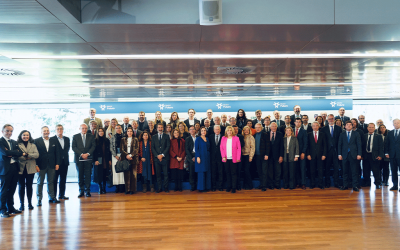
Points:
x=230, y=153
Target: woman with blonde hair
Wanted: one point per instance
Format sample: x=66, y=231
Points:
x=290, y=156
x=183, y=130
x=248, y=151
x=111, y=129
x=158, y=120
x=174, y=120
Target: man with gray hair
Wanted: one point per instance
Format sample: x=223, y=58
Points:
x=217, y=121
x=215, y=156
x=392, y=152
x=92, y=114
x=63, y=147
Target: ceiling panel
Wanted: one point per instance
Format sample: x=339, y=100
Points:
x=25, y=12
x=147, y=48
x=46, y=49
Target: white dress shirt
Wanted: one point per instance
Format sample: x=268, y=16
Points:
x=46, y=143
x=61, y=140
x=372, y=141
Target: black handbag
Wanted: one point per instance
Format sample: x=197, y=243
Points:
x=122, y=166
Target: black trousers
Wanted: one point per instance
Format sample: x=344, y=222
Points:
x=350, y=166
x=62, y=174
x=332, y=162
x=231, y=175
x=317, y=165
x=394, y=167
x=247, y=182
x=262, y=167
x=8, y=184
x=384, y=168
x=217, y=173
x=239, y=174
x=371, y=164
x=192, y=174
x=84, y=169
x=289, y=173
x=177, y=175
x=274, y=173
x=161, y=171
x=25, y=180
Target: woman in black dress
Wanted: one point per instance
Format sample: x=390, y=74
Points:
x=102, y=158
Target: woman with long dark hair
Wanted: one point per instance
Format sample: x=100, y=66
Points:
x=202, y=163
x=115, y=148
x=27, y=167
x=177, y=157
x=241, y=119
x=384, y=163
x=146, y=166
x=129, y=151
x=102, y=160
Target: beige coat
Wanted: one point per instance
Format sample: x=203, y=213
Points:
x=29, y=163
x=249, y=146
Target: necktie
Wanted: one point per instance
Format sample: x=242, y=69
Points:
x=84, y=140
x=216, y=140
x=159, y=137
x=135, y=132
x=341, y=118
x=315, y=137
x=332, y=131
x=395, y=135
x=9, y=144
x=348, y=136
x=277, y=122
x=369, y=143
x=297, y=132
x=273, y=138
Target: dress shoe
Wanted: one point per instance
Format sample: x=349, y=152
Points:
x=80, y=195
x=166, y=190
x=264, y=189
x=22, y=207
x=394, y=188
x=286, y=188
x=321, y=187
x=303, y=187
x=327, y=186
x=39, y=203
x=14, y=211
x=233, y=191
x=158, y=191
x=356, y=189
x=192, y=189
x=214, y=189
x=30, y=207
x=228, y=190
x=131, y=192
x=259, y=187
x=278, y=187
x=378, y=187
x=337, y=186
x=344, y=188
x=359, y=186
x=221, y=189
x=63, y=198
x=5, y=215
x=387, y=184
x=54, y=201
x=298, y=186
x=239, y=188
x=88, y=194
x=272, y=188
x=127, y=192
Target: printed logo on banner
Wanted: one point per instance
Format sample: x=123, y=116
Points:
x=221, y=106
x=105, y=107
x=280, y=105
x=164, y=106
x=337, y=104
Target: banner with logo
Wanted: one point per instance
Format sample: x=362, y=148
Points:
x=220, y=106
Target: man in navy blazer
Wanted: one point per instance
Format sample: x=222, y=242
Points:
x=160, y=144
x=349, y=150
x=217, y=168
x=372, y=148
x=9, y=169
x=332, y=133
x=275, y=157
x=316, y=154
x=392, y=151
x=301, y=170
x=64, y=145
x=362, y=125
x=341, y=115
x=48, y=162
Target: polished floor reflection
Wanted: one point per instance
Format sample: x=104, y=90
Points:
x=278, y=219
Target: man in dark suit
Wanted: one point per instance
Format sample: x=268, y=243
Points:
x=278, y=120
x=306, y=126
x=372, y=148
x=361, y=124
x=215, y=159
x=288, y=123
x=232, y=121
x=341, y=115
x=48, y=163
x=258, y=119
x=208, y=126
x=316, y=154
x=332, y=134
x=93, y=128
x=209, y=117
x=142, y=121
x=302, y=139
x=349, y=150
x=392, y=151
x=9, y=169
x=275, y=157
x=191, y=121
x=190, y=156
x=160, y=147
x=136, y=131
x=125, y=125
x=217, y=121
x=83, y=145
x=224, y=121
x=262, y=149
x=296, y=114
x=63, y=148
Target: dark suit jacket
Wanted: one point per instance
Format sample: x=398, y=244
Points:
x=377, y=146
x=64, y=153
x=6, y=152
x=189, y=145
x=309, y=128
x=265, y=144
x=123, y=127
x=276, y=149
x=302, y=138
x=78, y=148
x=241, y=139
x=292, y=119
x=211, y=122
x=162, y=147
x=255, y=121
x=280, y=123
x=49, y=158
x=332, y=142
x=138, y=133
x=354, y=144
x=215, y=151
x=392, y=146
x=283, y=127
x=187, y=122
x=363, y=127
x=211, y=130
x=345, y=118
x=316, y=150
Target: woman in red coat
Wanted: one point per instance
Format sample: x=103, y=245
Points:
x=146, y=167
x=177, y=154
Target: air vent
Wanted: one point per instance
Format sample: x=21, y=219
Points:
x=10, y=72
x=235, y=70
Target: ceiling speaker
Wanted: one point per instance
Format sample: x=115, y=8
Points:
x=210, y=12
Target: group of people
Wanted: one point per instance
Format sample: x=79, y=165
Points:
x=214, y=151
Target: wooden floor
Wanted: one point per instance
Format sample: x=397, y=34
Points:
x=276, y=219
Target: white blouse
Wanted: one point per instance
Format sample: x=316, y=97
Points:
x=229, y=149
x=129, y=144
